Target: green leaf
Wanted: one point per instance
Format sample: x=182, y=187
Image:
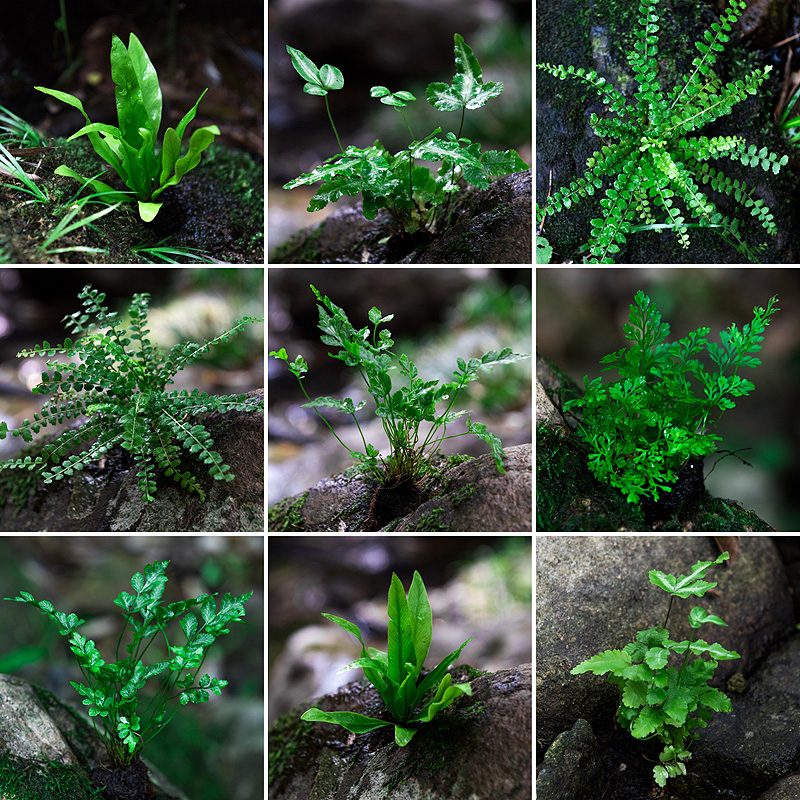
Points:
x=400, y=648
x=421, y=618
x=446, y=694
x=304, y=66
x=402, y=736
x=467, y=90
x=349, y=720
x=614, y=661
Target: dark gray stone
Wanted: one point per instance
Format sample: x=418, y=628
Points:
x=572, y=766
x=478, y=749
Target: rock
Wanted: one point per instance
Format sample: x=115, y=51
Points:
x=494, y=227
x=572, y=766
x=758, y=741
x=107, y=497
x=478, y=749
x=593, y=594
x=784, y=789
x=44, y=743
x=479, y=498
x=476, y=498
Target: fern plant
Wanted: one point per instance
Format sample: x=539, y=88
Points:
x=117, y=387
x=659, y=170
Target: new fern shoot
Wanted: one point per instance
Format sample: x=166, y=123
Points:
x=641, y=429
x=411, y=193
x=402, y=409
x=652, y=171
x=659, y=700
x=111, y=690
x=117, y=388
x=410, y=698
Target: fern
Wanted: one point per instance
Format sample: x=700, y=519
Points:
x=659, y=172
x=119, y=392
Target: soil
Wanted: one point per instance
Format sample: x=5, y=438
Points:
x=216, y=212
x=124, y=783
x=685, y=496
x=630, y=773
x=395, y=500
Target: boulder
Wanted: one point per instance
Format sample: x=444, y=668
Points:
x=477, y=749
x=472, y=496
x=490, y=226
x=45, y=744
x=105, y=495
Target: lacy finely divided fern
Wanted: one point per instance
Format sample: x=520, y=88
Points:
x=122, y=392
x=655, y=164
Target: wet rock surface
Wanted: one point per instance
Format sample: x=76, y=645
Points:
x=491, y=226
x=476, y=498
x=105, y=496
x=740, y=754
x=478, y=749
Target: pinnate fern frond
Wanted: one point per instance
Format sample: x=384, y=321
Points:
x=654, y=165
x=116, y=387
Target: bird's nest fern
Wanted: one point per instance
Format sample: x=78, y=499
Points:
x=658, y=169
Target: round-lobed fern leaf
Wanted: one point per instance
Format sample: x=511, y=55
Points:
x=117, y=388
x=650, y=164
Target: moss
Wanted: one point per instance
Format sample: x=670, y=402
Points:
x=24, y=779
x=285, y=515
x=217, y=208
x=286, y=735
x=432, y=522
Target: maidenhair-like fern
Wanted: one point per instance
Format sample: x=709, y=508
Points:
x=118, y=388
x=658, y=169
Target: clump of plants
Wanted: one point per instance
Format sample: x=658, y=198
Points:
x=112, y=690
x=663, y=701
x=118, y=385
x=403, y=409
x=410, y=699
x=132, y=148
x=416, y=198
x=659, y=173
x=642, y=429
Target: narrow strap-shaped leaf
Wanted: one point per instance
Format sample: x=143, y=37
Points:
x=401, y=642
x=421, y=619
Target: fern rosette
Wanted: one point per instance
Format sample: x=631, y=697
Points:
x=659, y=173
x=119, y=390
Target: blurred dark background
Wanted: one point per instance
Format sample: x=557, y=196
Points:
x=478, y=586
x=440, y=314
x=211, y=751
x=580, y=315
x=400, y=44
x=190, y=303
x=65, y=45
